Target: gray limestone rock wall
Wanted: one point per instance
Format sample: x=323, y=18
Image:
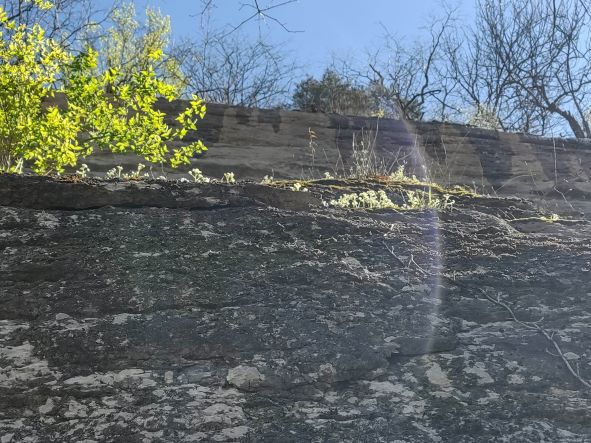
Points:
x=257, y=142
x=170, y=312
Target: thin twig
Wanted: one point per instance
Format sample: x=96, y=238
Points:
x=262, y=12
x=412, y=260
x=391, y=251
x=534, y=326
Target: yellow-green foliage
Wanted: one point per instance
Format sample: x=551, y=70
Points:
x=400, y=176
x=102, y=111
x=380, y=200
x=130, y=47
x=297, y=187
x=550, y=218
x=29, y=65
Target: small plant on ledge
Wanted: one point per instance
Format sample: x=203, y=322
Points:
x=198, y=176
x=414, y=200
x=228, y=178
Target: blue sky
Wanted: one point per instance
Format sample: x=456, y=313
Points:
x=345, y=28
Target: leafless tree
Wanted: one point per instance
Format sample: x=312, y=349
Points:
x=229, y=69
x=530, y=62
x=402, y=80
x=69, y=22
x=481, y=78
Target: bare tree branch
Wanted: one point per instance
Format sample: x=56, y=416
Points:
x=261, y=13
x=231, y=70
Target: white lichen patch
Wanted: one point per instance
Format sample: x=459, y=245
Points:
x=208, y=234
x=515, y=379
x=386, y=388
x=490, y=397
x=488, y=332
x=331, y=397
x=326, y=373
x=23, y=366
x=514, y=366
x=120, y=319
x=146, y=254
x=414, y=408
x=47, y=220
x=245, y=377
x=432, y=434
x=479, y=370
x=76, y=410
x=233, y=434
x=8, y=327
x=68, y=324
x=9, y=250
x=215, y=414
x=307, y=410
x=91, y=381
x=47, y=407
x=437, y=377
x=409, y=378
x=137, y=378
x=354, y=267
x=222, y=413
x=197, y=436
x=8, y=215
x=213, y=406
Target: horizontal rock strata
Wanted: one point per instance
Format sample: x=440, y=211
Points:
x=144, y=311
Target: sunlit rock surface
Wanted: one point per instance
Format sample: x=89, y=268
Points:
x=137, y=312
x=257, y=142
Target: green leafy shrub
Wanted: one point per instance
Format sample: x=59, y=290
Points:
x=103, y=112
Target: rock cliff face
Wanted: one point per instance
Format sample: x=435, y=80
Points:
x=257, y=142
x=158, y=311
